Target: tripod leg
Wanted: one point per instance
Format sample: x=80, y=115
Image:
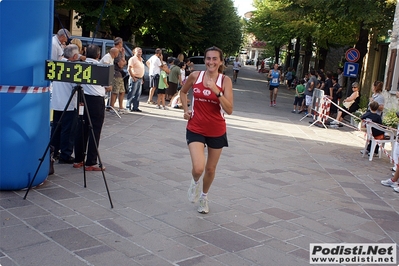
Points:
x=48, y=146
x=96, y=146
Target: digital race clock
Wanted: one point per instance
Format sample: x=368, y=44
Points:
x=79, y=72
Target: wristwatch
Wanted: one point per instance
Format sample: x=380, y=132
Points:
x=220, y=94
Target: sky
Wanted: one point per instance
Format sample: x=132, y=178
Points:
x=243, y=6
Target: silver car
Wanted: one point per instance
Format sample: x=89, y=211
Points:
x=105, y=45
x=199, y=63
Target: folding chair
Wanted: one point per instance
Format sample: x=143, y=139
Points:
x=387, y=132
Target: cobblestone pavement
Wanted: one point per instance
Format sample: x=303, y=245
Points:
x=280, y=186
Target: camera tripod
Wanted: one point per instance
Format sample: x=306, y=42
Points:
x=81, y=99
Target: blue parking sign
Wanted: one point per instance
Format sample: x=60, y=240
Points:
x=351, y=69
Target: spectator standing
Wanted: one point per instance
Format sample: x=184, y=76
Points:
x=63, y=138
x=136, y=73
x=206, y=127
x=94, y=95
x=108, y=58
x=58, y=41
x=189, y=65
x=351, y=104
x=378, y=97
x=79, y=44
x=328, y=84
x=310, y=86
x=174, y=79
x=118, y=85
x=162, y=87
x=274, y=76
x=335, y=92
x=299, y=93
x=154, y=70
x=289, y=77
x=182, y=66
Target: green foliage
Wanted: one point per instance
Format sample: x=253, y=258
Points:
x=325, y=23
x=390, y=119
x=361, y=111
x=177, y=25
x=364, y=102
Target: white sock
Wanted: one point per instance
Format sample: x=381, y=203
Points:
x=203, y=195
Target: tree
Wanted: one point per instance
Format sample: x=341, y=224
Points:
x=219, y=26
x=178, y=25
x=322, y=23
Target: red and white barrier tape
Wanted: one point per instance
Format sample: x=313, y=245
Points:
x=391, y=160
x=23, y=89
x=324, y=114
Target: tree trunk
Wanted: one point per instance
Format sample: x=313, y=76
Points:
x=297, y=50
x=322, y=58
x=361, y=45
x=276, y=54
x=288, y=57
x=308, y=54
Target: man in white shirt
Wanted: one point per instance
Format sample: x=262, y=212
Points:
x=63, y=139
x=94, y=95
x=154, y=70
x=135, y=68
x=58, y=42
x=108, y=59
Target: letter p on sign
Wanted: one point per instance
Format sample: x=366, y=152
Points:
x=351, y=69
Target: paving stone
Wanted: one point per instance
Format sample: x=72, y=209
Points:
x=47, y=223
x=227, y=240
x=266, y=204
x=264, y=255
x=45, y=254
x=73, y=239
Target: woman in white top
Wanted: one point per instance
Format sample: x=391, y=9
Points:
x=377, y=96
x=351, y=104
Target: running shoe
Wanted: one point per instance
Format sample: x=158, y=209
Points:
x=203, y=205
x=193, y=191
x=389, y=183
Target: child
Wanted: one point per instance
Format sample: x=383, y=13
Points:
x=373, y=116
x=163, y=84
x=176, y=102
x=299, y=92
x=182, y=66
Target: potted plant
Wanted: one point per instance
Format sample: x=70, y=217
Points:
x=357, y=121
x=390, y=119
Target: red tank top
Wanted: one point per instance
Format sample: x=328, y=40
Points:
x=207, y=116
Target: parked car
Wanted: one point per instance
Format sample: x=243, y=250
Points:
x=106, y=44
x=250, y=62
x=199, y=63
